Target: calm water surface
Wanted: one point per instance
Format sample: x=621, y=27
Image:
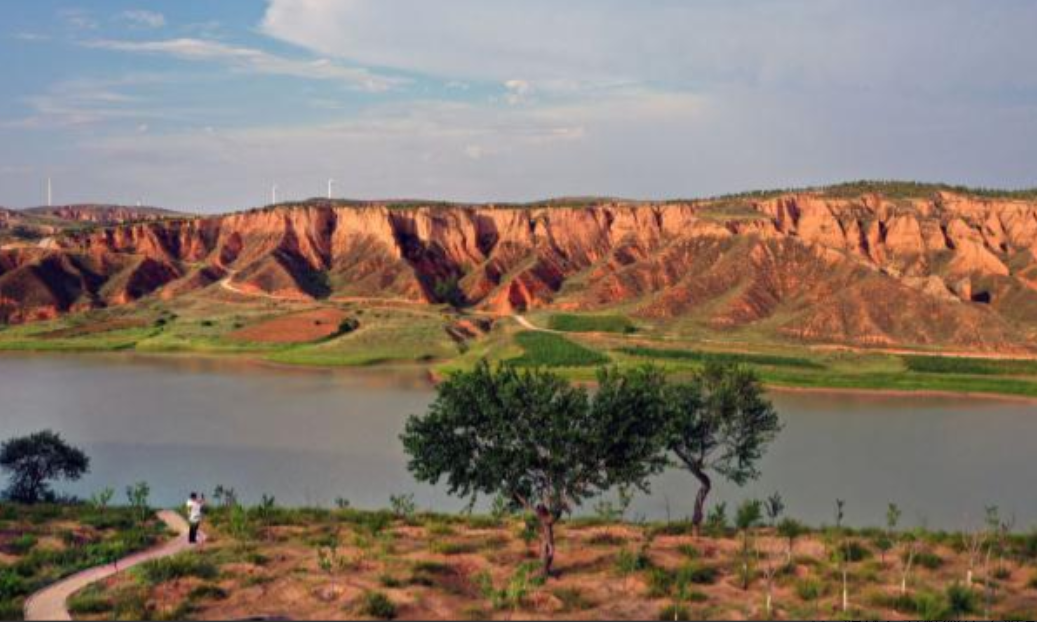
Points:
x=309, y=436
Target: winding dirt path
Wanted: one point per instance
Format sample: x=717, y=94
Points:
x=51, y=603
x=525, y=323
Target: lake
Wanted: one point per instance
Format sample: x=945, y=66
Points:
x=310, y=436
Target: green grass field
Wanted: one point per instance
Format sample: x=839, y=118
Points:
x=395, y=336
x=970, y=366
x=549, y=350
x=699, y=356
x=572, y=323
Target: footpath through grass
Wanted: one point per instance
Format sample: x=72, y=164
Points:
x=42, y=544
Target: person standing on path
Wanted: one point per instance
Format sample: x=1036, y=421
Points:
x=194, y=516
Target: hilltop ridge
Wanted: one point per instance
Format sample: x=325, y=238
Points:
x=948, y=269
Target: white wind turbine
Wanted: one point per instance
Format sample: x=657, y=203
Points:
x=273, y=195
x=50, y=194
x=331, y=182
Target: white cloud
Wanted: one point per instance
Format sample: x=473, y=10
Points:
x=143, y=19
x=881, y=44
x=31, y=37
x=78, y=19
x=517, y=91
x=84, y=102
x=252, y=60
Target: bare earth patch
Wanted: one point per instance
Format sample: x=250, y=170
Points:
x=301, y=327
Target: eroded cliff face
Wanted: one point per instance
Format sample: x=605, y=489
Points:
x=950, y=270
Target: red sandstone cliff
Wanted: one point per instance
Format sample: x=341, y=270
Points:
x=947, y=270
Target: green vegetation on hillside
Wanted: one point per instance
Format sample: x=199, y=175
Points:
x=41, y=544
x=700, y=356
x=972, y=366
x=550, y=350
x=572, y=323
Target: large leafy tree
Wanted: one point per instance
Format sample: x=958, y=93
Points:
x=720, y=422
x=538, y=441
x=34, y=461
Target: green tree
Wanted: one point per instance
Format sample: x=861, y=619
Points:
x=36, y=460
x=539, y=441
x=720, y=422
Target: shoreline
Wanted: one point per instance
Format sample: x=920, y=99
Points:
x=975, y=395
x=433, y=376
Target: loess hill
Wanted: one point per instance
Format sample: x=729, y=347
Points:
x=858, y=266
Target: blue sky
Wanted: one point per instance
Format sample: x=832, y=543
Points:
x=204, y=105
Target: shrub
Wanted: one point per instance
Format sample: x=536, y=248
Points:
x=628, y=562
x=177, y=567
x=390, y=581
x=928, y=560
x=12, y=585
x=573, y=599
x=403, y=506
x=853, y=550
x=660, y=582
x=809, y=589
x=378, y=606
x=961, y=599
x=89, y=603
x=698, y=574
x=23, y=544
x=607, y=538
x=674, y=612
x=689, y=551
x=208, y=591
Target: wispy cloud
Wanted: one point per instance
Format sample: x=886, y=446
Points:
x=78, y=19
x=31, y=37
x=252, y=60
x=84, y=102
x=143, y=19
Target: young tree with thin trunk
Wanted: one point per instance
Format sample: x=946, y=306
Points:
x=887, y=540
x=747, y=518
x=537, y=440
x=790, y=529
x=973, y=540
x=769, y=568
x=842, y=553
x=909, y=543
x=721, y=422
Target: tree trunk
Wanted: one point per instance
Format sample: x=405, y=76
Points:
x=846, y=593
x=547, y=540
x=700, y=499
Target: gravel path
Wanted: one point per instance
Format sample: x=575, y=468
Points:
x=51, y=603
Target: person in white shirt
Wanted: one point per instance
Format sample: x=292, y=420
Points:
x=194, y=516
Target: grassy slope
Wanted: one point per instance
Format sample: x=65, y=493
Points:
x=393, y=336
x=479, y=567
x=41, y=544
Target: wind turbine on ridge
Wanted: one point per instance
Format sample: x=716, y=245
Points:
x=331, y=182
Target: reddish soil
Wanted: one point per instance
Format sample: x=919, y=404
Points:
x=294, y=328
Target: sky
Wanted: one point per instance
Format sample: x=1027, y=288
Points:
x=203, y=105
